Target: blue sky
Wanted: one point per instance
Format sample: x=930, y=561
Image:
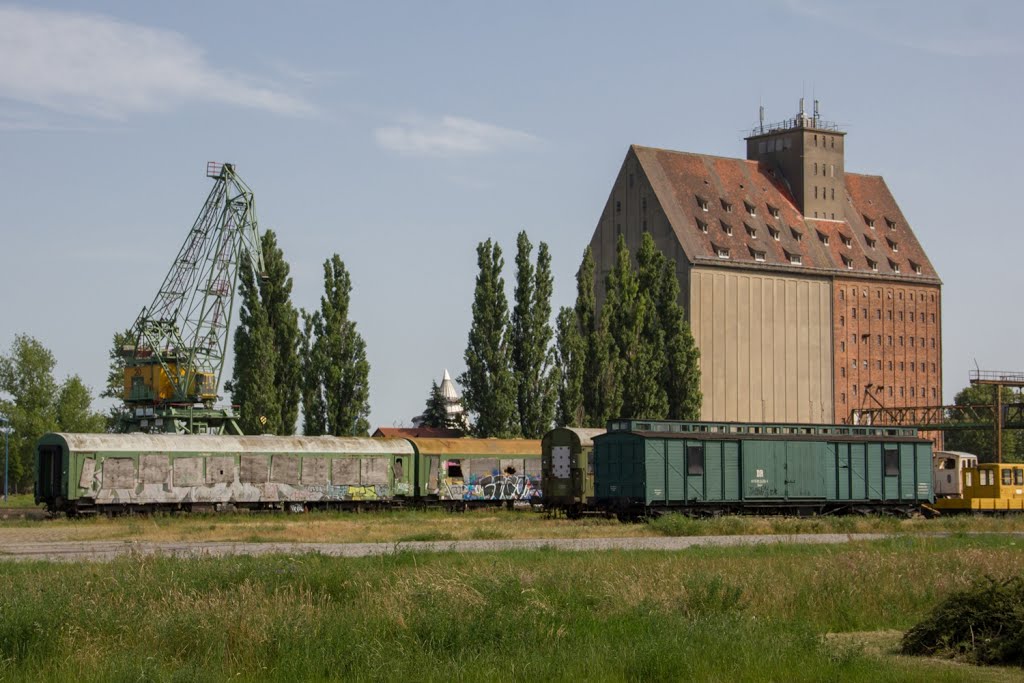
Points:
x=401, y=134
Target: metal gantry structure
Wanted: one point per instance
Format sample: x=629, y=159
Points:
x=173, y=368
x=995, y=416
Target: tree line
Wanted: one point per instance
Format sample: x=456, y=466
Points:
x=636, y=358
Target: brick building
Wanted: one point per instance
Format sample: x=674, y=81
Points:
x=808, y=292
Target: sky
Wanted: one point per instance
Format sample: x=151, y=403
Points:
x=400, y=135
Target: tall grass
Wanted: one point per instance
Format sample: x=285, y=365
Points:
x=704, y=614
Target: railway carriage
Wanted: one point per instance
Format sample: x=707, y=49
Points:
x=81, y=473
x=645, y=467
x=464, y=472
x=567, y=469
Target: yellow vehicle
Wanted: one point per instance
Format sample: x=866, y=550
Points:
x=964, y=485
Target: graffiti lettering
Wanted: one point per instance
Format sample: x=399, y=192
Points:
x=493, y=487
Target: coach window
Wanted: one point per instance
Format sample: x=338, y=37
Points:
x=454, y=469
x=398, y=468
x=695, y=460
x=1006, y=477
x=892, y=462
x=1018, y=476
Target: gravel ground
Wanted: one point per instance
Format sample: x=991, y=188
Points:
x=107, y=550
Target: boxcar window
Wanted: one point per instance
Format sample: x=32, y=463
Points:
x=454, y=469
x=967, y=479
x=399, y=469
x=695, y=460
x=1006, y=477
x=1018, y=476
x=892, y=461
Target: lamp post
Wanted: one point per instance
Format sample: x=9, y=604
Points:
x=7, y=431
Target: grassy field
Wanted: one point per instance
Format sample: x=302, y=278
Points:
x=490, y=524
x=783, y=613
x=18, y=500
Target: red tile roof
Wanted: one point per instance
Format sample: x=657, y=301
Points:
x=684, y=183
x=418, y=432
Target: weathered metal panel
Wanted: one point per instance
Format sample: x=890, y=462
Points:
x=220, y=469
x=675, y=481
x=512, y=466
x=483, y=467
x=713, y=470
x=805, y=477
x=254, y=469
x=154, y=469
x=844, y=471
x=346, y=472
x=764, y=469
x=731, y=470
x=374, y=471
x=88, y=472
x=203, y=443
x=119, y=473
x=874, y=472
x=653, y=465
x=188, y=472
x=532, y=467
x=314, y=471
x=284, y=469
x=858, y=471
x=907, y=479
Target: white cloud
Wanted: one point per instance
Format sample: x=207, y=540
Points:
x=450, y=136
x=85, y=64
x=956, y=28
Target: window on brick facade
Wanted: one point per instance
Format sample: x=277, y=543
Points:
x=933, y=342
x=842, y=345
x=842, y=371
x=702, y=226
x=901, y=366
x=618, y=207
x=901, y=342
x=842, y=321
x=750, y=209
x=726, y=228
x=702, y=203
x=890, y=391
x=889, y=314
x=842, y=294
x=878, y=314
x=726, y=206
x=774, y=233
x=890, y=365
x=890, y=342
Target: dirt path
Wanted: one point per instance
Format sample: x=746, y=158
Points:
x=108, y=550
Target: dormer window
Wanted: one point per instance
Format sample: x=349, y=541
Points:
x=823, y=237
x=848, y=262
x=870, y=242
x=893, y=245
x=774, y=211
x=916, y=267
x=752, y=231
x=870, y=222
x=722, y=252
x=759, y=256
x=847, y=242
x=797, y=235
x=726, y=228
x=795, y=259
x=702, y=203
x=702, y=226
x=891, y=224
x=726, y=206
x=774, y=233
x=873, y=265
x=894, y=265
x=751, y=210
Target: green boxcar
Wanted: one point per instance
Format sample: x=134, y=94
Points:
x=567, y=468
x=477, y=471
x=93, y=472
x=708, y=466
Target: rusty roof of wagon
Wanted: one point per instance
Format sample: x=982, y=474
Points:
x=523, y=447
x=206, y=443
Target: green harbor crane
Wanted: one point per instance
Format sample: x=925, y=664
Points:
x=173, y=367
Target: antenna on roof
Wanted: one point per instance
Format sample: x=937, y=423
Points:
x=762, y=117
x=801, y=107
x=816, y=117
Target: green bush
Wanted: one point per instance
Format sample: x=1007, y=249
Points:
x=983, y=624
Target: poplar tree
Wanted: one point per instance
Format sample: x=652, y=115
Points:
x=570, y=355
x=682, y=357
x=283, y=319
x=314, y=411
x=530, y=336
x=339, y=354
x=489, y=388
x=253, y=385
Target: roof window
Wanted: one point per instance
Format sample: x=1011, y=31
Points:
x=847, y=242
x=797, y=235
x=795, y=259
x=774, y=233
x=823, y=237
x=916, y=267
x=891, y=224
x=751, y=230
x=722, y=252
x=702, y=203
x=702, y=226
x=726, y=206
x=848, y=262
x=873, y=265
x=870, y=242
x=726, y=227
x=750, y=208
x=894, y=265
x=893, y=245
x=870, y=222
x=759, y=256
x=774, y=211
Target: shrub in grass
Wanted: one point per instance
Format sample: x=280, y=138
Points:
x=983, y=624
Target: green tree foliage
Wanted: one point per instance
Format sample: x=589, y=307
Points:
x=602, y=385
x=267, y=373
x=681, y=378
x=570, y=359
x=530, y=334
x=489, y=387
x=118, y=413
x=336, y=373
x=73, y=408
x=283, y=318
x=252, y=385
x=981, y=442
x=26, y=375
x=435, y=414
